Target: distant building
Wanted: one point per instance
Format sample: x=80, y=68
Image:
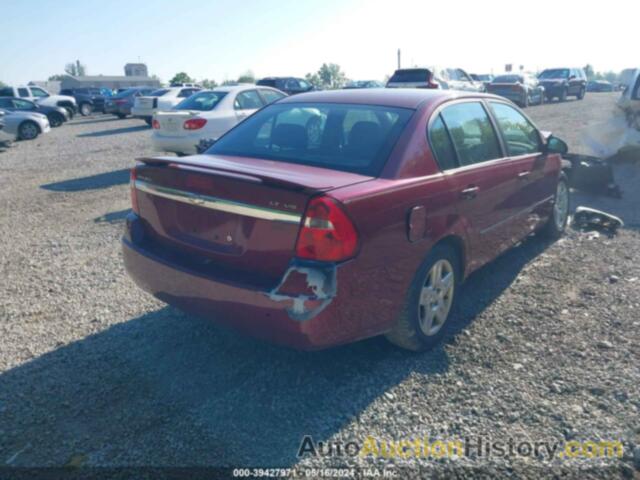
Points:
x=112, y=82
x=136, y=70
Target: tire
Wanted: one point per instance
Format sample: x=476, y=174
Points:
x=581, y=93
x=557, y=223
x=70, y=112
x=148, y=121
x=86, y=109
x=563, y=95
x=121, y=115
x=28, y=130
x=55, y=120
x=414, y=331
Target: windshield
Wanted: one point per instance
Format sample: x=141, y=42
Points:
x=351, y=138
x=507, y=79
x=411, y=76
x=555, y=73
x=202, y=101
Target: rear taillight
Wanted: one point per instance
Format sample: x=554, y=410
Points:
x=195, y=123
x=119, y=102
x=327, y=234
x=155, y=124
x=134, y=192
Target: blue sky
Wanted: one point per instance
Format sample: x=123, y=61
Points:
x=221, y=39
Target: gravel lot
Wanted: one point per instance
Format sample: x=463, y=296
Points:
x=544, y=346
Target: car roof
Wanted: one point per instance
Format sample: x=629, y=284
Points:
x=391, y=97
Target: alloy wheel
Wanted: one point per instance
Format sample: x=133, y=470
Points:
x=436, y=297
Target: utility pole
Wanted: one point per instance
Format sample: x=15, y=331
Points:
x=399, y=67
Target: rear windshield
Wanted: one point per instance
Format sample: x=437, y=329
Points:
x=125, y=93
x=202, y=101
x=351, y=138
x=555, y=73
x=413, y=75
x=265, y=82
x=158, y=93
x=507, y=79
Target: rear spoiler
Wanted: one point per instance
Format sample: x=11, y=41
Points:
x=192, y=164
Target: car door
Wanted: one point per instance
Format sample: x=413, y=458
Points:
x=246, y=103
x=481, y=177
x=535, y=184
x=574, y=82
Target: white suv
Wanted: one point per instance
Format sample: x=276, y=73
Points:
x=42, y=97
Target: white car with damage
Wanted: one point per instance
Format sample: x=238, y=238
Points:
x=205, y=116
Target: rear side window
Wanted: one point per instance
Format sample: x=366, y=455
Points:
x=267, y=82
x=472, y=133
x=520, y=136
x=23, y=92
x=350, y=138
x=441, y=145
x=187, y=92
x=158, y=93
x=249, y=100
x=6, y=92
x=270, y=96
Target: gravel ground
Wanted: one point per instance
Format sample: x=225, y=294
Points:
x=544, y=345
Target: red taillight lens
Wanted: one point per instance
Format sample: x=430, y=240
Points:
x=327, y=234
x=119, y=102
x=433, y=84
x=134, y=192
x=155, y=124
x=195, y=123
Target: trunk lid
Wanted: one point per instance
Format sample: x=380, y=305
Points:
x=172, y=123
x=239, y=216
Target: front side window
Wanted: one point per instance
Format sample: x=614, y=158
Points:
x=6, y=92
x=187, y=92
x=249, y=100
x=472, y=133
x=6, y=103
x=350, y=138
x=203, y=101
x=23, y=104
x=520, y=136
x=23, y=92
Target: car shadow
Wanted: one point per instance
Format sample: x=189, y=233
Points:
x=177, y=389
x=113, y=217
x=115, y=131
x=93, y=119
x=92, y=182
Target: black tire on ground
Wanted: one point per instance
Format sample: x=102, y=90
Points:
x=563, y=95
x=581, y=93
x=70, y=112
x=86, y=109
x=28, y=130
x=55, y=120
x=555, y=226
x=407, y=332
x=121, y=115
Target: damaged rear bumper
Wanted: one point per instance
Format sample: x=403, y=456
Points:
x=299, y=312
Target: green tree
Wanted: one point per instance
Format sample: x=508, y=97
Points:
x=181, y=77
x=313, y=79
x=229, y=82
x=2, y=84
x=588, y=70
x=75, y=69
x=247, y=77
x=208, y=83
x=331, y=76
x=58, y=77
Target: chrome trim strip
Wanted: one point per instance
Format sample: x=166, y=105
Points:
x=219, y=204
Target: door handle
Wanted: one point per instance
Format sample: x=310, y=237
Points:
x=524, y=175
x=470, y=192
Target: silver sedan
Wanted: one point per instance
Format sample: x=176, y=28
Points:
x=25, y=125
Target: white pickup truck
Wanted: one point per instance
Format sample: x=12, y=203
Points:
x=42, y=97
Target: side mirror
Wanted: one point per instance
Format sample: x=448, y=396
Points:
x=555, y=145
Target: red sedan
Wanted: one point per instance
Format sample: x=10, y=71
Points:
x=328, y=217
